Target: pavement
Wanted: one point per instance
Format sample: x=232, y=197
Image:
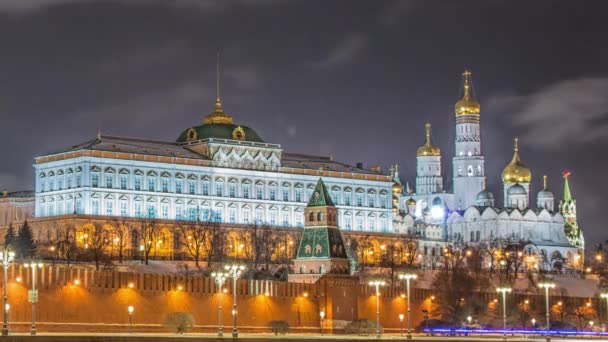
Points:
x=251, y=337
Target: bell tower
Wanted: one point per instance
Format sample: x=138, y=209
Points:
x=468, y=162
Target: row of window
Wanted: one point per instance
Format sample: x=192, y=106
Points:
x=231, y=214
x=219, y=189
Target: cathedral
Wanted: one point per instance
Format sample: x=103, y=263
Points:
x=470, y=214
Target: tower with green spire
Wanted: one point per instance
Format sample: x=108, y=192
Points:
x=321, y=250
x=567, y=208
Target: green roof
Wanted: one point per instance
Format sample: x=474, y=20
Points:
x=220, y=131
x=321, y=242
x=320, y=197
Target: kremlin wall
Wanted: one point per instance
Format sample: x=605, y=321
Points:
x=83, y=300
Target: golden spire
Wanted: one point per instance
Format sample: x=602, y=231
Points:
x=545, y=182
x=218, y=116
x=516, y=171
x=467, y=104
x=428, y=149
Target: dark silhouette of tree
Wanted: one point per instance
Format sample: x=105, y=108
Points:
x=99, y=243
x=10, y=238
x=67, y=249
x=26, y=245
x=196, y=236
x=119, y=234
x=148, y=232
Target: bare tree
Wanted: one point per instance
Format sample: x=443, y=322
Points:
x=410, y=250
x=148, y=232
x=197, y=236
x=67, y=249
x=98, y=245
x=119, y=237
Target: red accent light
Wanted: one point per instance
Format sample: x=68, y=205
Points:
x=566, y=173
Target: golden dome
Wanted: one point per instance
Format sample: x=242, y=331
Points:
x=516, y=171
x=428, y=149
x=410, y=201
x=218, y=117
x=396, y=188
x=467, y=105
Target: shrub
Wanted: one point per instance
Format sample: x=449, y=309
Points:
x=278, y=327
x=180, y=322
x=361, y=327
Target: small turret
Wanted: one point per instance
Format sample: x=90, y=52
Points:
x=545, y=198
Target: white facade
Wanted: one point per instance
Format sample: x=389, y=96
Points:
x=144, y=185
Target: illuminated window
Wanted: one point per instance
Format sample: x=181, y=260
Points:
x=232, y=189
x=206, y=188
x=95, y=206
x=232, y=215
x=94, y=182
x=151, y=184
x=109, y=207
x=123, y=182
x=191, y=187
x=165, y=185
x=109, y=181
x=138, y=183
x=179, y=185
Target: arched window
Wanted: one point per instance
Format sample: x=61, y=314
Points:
x=319, y=216
x=311, y=217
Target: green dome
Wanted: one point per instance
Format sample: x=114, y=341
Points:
x=219, y=131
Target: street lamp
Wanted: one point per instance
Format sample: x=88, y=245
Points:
x=503, y=291
x=401, y=325
x=220, y=279
x=377, y=284
x=130, y=309
x=408, y=277
x=533, y=321
x=322, y=315
x=234, y=272
x=32, y=295
x=547, y=286
x=7, y=257
x=469, y=320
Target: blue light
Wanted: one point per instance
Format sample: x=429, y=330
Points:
x=516, y=331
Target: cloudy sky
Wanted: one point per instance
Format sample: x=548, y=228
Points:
x=353, y=79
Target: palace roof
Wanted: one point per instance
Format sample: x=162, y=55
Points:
x=172, y=149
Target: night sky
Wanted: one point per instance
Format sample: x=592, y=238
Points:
x=356, y=80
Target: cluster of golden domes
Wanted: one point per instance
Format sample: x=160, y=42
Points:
x=428, y=149
x=467, y=105
x=516, y=171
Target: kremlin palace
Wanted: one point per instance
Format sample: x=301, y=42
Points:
x=224, y=172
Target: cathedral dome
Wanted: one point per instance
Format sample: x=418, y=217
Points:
x=467, y=104
x=428, y=149
x=516, y=189
x=219, y=125
x=485, y=195
x=410, y=201
x=396, y=188
x=516, y=171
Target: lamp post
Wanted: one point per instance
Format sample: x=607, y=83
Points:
x=605, y=296
x=130, y=309
x=408, y=277
x=234, y=272
x=322, y=315
x=547, y=286
x=7, y=257
x=377, y=284
x=504, y=291
x=32, y=295
x=220, y=279
x=401, y=325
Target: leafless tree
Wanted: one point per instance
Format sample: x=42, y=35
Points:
x=197, y=236
x=148, y=233
x=98, y=245
x=67, y=249
x=119, y=237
